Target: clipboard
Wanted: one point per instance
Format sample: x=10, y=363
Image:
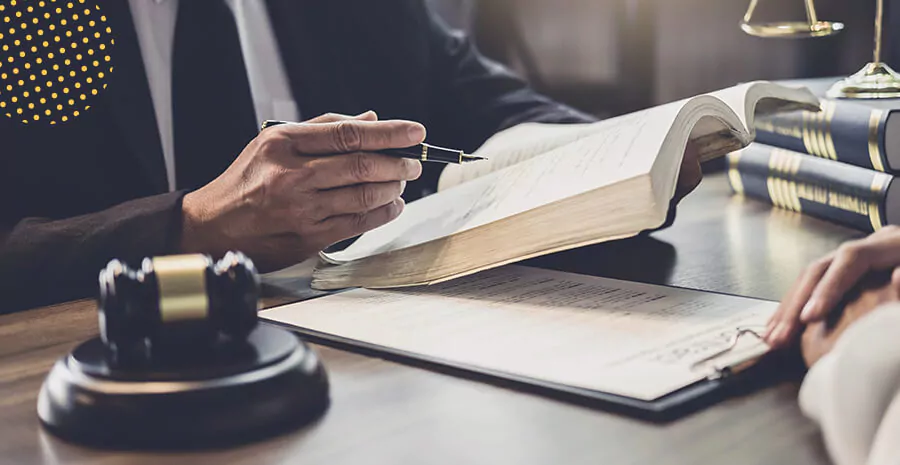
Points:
x=726, y=375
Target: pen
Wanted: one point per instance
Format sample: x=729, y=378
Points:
x=421, y=152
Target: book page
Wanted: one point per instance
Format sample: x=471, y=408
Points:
x=631, y=339
x=512, y=146
x=528, y=140
x=620, y=149
x=764, y=98
x=736, y=98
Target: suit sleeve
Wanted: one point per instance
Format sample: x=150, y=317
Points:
x=853, y=392
x=474, y=97
x=44, y=261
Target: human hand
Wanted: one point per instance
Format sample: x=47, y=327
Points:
x=690, y=175
x=818, y=338
x=823, y=284
x=298, y=188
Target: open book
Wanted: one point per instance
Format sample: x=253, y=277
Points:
x=547, y=188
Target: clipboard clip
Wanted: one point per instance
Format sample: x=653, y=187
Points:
x=738, y=364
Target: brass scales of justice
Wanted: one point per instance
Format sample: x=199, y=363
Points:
x=876, y=80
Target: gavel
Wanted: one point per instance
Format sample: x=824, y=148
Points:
x=179, y=342
x=175, y=301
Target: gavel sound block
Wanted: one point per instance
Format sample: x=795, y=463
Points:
x=181, y=361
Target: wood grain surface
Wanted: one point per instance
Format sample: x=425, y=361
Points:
x=388, y=413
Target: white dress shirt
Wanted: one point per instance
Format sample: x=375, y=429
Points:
x=853, y=392
x=154, y=22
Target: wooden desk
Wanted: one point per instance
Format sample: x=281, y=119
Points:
x=383, y=412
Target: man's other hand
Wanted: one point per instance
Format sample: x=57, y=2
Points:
x=690, y=175
x=298, y=188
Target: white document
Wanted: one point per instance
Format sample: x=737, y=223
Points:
x=631, y=339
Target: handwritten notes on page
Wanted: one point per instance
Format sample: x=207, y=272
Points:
x=631, y=339
x=515, y=145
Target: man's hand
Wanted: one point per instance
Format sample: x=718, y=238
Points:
x=690, y=175
x=298, y=188
x=818, y=338
x=824, y=283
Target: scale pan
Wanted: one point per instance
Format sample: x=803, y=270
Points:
x=792, y=30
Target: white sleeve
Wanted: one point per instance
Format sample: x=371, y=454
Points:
x=886, y=447
x=852, y=392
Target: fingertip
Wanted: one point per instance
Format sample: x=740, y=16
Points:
x=780, y=334
x=413, y=169
x=769, y=337
x=397, y=207
x=810, y=311
x=767, y=334
x=416, y=133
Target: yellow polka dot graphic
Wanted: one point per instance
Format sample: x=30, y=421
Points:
x=49, y=45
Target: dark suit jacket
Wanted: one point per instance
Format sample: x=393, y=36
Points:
x=74, y=196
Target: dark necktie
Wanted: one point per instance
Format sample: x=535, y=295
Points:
x=212, y=107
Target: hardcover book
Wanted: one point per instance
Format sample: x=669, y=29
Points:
x=859, y=198
x=865, y=133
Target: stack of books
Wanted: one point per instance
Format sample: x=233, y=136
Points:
x=838, y=164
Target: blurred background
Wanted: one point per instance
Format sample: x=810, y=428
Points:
x=609, y=57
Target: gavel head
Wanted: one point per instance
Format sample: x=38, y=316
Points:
x=176, y=300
